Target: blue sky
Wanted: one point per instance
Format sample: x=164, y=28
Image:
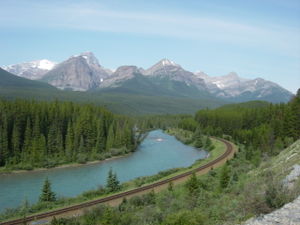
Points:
x=255, y=38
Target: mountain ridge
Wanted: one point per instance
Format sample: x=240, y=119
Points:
x=84, y=73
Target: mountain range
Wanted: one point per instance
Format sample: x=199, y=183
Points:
x=166, y=79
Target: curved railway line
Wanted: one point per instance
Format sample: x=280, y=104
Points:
x=117, y=198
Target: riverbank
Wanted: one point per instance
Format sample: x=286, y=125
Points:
x=161, y=184
x=5, y=171
x=152, y=157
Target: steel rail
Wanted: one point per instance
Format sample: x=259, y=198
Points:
x=211, y=164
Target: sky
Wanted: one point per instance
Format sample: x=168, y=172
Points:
x=254, y=38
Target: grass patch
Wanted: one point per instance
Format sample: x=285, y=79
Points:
x=219, y=149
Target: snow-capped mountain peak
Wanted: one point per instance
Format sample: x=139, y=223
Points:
x=83, y=72
x=222, y=82
x=33, y=70
x=45, y=64
x=89, y=57
x=236, y=88
x=167, y=62
x=163, y=66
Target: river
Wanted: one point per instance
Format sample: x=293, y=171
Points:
x=158, y=151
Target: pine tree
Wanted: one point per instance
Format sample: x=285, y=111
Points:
x=110, y=138
x=42, y=146
x=70, y=143
x=118, y=137
x=208, y=142
x=81, y=148
x=4, y=151
x=38, y=150
x=170, y=186
x=27, y=141
x=100, y=142
x=224, y=177
x=192, y=184
x=52, y=140
x=113, y=184
x=47, y=194
x=60, y=143
x=198, y=138
x=36, y=127
x=16, y=141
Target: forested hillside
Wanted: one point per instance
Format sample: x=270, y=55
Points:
x=44, y=134
x=263, y=129
x=246, y=186
x=118, y=101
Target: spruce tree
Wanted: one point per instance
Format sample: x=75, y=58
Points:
x=208, y=142
x=110, y=138
x=47, y=194
x=170, y=186
x=198, y=138
x=27, y=141
x=4, y=151
x=16, y=140
x=70, y=143
x=113, y=184
x=100, y=141
x=36, y=127
x=52, y=140
x=81, y=145
x=224, y=177
x=192, y=184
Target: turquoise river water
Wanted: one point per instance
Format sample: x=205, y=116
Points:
x=158, y=151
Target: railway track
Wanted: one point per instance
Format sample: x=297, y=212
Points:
x=210, y=165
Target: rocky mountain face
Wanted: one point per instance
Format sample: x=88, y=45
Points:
x=165, y=78
x=33, y=70
x=167, y=69
x=79, y=73
x=234, y=88
x=289, y=214
x=83, y=72
x=286, y=167
x=122, y=74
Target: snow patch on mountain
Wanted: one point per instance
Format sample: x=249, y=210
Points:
x=33, y=70
x=236, y=88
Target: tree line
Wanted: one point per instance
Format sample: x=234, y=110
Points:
x=269, y=128
x=44, y=134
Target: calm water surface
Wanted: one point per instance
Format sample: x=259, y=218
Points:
x=158, y=151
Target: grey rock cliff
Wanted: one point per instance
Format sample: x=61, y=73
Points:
x=168, y=69
x=122, y=74
x=234, y=88
x=289, y=214
x=79, y=73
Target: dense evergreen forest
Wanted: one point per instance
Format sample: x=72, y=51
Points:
x=44, y=134
x=264, y=129
x=246, y=186
x=242, y=188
